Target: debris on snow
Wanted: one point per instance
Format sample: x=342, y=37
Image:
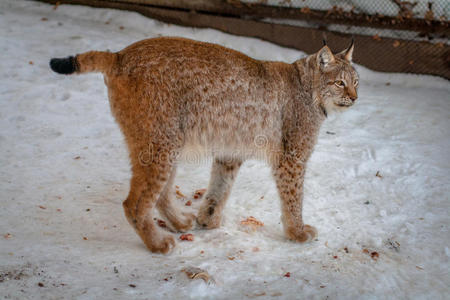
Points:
x=256, y=295
x=375, y=255
x=391, y=244
x=187, y=237
x=179, y=194
x=197, y=273
x=252, y=223
x=199, y=193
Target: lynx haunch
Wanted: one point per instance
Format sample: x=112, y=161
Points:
x=173, y=94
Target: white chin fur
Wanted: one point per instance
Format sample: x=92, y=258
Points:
x=330, y=108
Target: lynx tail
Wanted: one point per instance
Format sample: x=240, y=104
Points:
x=93, y=61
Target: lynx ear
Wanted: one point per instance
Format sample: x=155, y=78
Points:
x=348, y=53
x=324, y=57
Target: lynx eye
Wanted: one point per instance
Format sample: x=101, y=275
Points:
x=339, y=83
x=355, y=83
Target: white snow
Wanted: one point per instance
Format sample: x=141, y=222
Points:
x=64, y=173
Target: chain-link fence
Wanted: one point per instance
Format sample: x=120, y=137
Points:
x=421, y=20
x=440, y=9
x=412, y=28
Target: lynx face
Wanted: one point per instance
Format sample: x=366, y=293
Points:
x=341, y=89
x=338, y=83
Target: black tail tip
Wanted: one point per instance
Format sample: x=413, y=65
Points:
x=66, y=65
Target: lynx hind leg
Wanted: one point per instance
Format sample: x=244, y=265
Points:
x=146, y=185
x=223, y=174
x=180, y=221
x=289, y=175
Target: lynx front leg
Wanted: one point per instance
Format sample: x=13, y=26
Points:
x=146, y=185
x=180, y=221
x=223, y=174
x=289, y=175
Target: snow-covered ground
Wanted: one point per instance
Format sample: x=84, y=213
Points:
x=64, y=173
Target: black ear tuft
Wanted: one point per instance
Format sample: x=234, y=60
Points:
x=66, y=65
x=324, y=38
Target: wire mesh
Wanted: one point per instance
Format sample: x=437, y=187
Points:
x=407, y=25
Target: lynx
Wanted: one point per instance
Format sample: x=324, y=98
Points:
x=173, y=94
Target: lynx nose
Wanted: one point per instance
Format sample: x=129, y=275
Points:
x=353, y=98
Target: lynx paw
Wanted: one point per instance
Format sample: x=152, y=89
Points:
x=164, y=244
x=184, y=222
x=155, y=240
x=208, y=220
x=304, y=235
